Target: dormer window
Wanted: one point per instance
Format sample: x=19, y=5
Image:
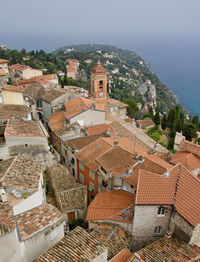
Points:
x=101, y=84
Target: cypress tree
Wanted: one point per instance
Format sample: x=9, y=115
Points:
x=157, y=118
x=164, y=122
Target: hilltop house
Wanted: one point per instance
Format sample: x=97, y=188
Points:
x=19, y=71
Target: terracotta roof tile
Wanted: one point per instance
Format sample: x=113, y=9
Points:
x=156, y=189
x=4, y=165
x=76, y=246
x=98, y=68
x=19, y=111
x=187, y=200
x=111, y=205
x=145, y=123
x=23, y=175
x=57, y=120
x=169, y=250
x=51, y=95
x=13, y=88
x=98, y=129
x=113, y=237
x=19, y=67
x=188, y=160
x=37, y=220
x=3, y=61
x=81, y=142
x=147, y=165
x=190, y=147
x=122, y=256
x=90, y=153
x=116, y=160
x=29, y=128
x=7, y=223
x=36, y=79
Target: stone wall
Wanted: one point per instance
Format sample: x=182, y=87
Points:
x=145, y=220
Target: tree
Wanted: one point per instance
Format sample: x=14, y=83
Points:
x=195, y=121
x=179, y=125
x=189, y=131
x=164, y=122
x=172, y=136
x=151, y=112
x=132, y=107
x=157, y=118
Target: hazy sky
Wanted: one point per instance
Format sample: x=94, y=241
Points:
x=30, y=24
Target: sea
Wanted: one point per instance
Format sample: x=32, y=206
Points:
x=174, y=59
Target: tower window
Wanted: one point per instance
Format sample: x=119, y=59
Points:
x=101, y=84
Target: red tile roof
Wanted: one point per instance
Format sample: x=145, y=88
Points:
x=19, y=67
x=145, y=123
x=36, y=79
x=116, y=160
x=156, y=189
x=122, y=256
x=111, y=205
x=13, y=88
x=147, y=165
x=7, y=223
x=169, y=250
x=98, y=68
x=98, y=129
x=81, y=142
x=188, y=160
x=190, y=147
x=187, y=200
x=3, y=61
x=78, y=105
x=36, y=220
x=2, y=72
x=57, y=120
x=90, y=153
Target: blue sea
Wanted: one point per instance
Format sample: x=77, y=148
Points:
x=176, y=61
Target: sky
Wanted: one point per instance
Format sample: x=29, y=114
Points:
x=51, y=24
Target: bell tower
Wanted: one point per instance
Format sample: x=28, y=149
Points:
x=99, y=81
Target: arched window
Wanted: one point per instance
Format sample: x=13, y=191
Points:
x=101, y=84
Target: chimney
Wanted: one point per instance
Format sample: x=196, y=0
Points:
x=107, y=132
x=167, y=173
x=116, y=143
x=168, y=233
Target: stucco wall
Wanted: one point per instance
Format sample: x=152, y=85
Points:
x=10, y=97
x=195, y=239
x=145, y=220
x=39, y=243
x=28, y=73
x=17, y=140
x=90, y=117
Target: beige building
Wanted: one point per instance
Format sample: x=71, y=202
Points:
x=4, y=65
x=12, y=95
x=18, y=71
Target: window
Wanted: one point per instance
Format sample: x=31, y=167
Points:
x=91, y=174
x=81, y=166
x=101, y=84
x=161, y=211
x=72, y=161
x=81, y=177
x=157, y=230
x=111, y=109
x=91, y=188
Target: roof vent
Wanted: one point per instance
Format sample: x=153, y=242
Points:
x=116, y=143
x=98, y=146
x=167, y=173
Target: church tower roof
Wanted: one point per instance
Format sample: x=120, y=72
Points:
x=98, y=68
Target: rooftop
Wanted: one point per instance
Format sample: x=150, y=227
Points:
x=37, y=220
x=114, y=205
x=36, y=79
x=78, y=105
x=169, y=250
x=67, y=128
x=122, y=256
x=187, y=159
x=51, y=95
x=90, y=153
x=18, y=111
x=190, y=147
x=98, y=68
x=57, y=120
x=34, y=90
x=177, y=186
x=7, y=223
x=116, y=160
x=4, y=165
x=23, y=175
x=2, y=72
x=99, y=129
x=3, y=61
x=145, y=123
x=13, y=88
x=112, y=237
x=19, y=67
x=22, y=128
x=81, y=142
x=77, y=245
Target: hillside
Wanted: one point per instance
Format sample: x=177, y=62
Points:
x=129, y=75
